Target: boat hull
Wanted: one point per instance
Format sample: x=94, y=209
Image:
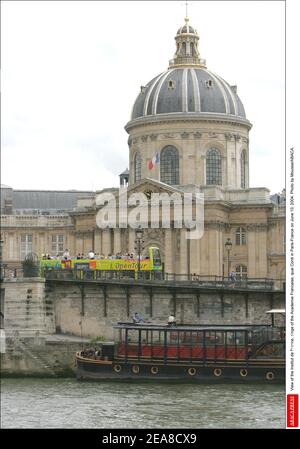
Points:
x=237, y=372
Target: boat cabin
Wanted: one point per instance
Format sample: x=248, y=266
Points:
x=190, y=343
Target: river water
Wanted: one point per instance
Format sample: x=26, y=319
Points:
x=67, y=403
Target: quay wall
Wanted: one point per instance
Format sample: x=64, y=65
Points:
x=94, y=314
x=45, y=323
x=39, y=357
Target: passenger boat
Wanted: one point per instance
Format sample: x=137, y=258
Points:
x=193, y=353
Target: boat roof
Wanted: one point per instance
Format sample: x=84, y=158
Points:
x=276, y=311
x=189, y=327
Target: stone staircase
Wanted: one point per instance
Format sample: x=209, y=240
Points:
x=21, y=346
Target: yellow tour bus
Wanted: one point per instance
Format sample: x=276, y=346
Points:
x=151, y=263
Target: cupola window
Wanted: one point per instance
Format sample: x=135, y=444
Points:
x=171, y=84
x=209, y=83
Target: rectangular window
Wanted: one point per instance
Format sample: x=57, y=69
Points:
x=57, y=244
x=240, y=236
x=26, y=245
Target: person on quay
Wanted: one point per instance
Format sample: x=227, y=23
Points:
x=171, y=320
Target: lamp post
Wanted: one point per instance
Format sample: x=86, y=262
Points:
x=228, y=246
x=139, y=233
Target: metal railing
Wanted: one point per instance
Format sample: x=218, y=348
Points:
x=166, y=279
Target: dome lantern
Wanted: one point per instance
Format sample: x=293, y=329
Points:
x=187, y=53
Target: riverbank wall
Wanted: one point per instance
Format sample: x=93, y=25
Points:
x=40, y=356
x=44, y=323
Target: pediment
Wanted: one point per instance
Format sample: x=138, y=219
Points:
x=151, y=185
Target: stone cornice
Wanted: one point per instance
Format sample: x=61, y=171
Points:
x=187, y=117
x=230, y=205
x=87, y=233
x=256, y=227
x=218, y=224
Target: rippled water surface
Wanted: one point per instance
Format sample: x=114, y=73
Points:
x=66, y=403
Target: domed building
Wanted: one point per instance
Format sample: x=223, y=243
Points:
x=188, y=132
x=194, y=119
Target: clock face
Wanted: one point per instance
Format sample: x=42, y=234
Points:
x=148, y=193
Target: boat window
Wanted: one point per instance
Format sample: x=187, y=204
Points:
x=157, y=337
x=272, y=350
x=145, y=337
x=210, y=339
x=133, y=336
x=240, y=338
x=230, y=338
x=173, y=337
x=219, y=338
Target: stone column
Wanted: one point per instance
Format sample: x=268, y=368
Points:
x=230, y=148
x=195, y=256
x=183, y=252
x=169, y=251
x=262, y=266
x=88, y=242
x=98, y=241
x=203, y=253
x=251, y=253
x=117, y=240
x=131, y=239
x=106, y=241
x=79, y=243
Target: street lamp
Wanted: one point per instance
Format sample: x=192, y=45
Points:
x=228, y=246
x=139, y=233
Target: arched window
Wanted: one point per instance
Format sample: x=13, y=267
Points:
x=169, y=165
x=183, y=49
x=213, y=167
x=137, y=167
x=241, y=271
x=243, y=169
x=192, y=49
x=240, y=236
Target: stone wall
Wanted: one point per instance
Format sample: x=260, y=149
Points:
x=39, y=357
x=33, y=312
x=26, y=307
x=89, y=317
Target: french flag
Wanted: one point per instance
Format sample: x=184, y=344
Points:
x=154, y=161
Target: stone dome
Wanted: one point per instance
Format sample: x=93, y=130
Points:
x=187, y=87
x=188, y=90
x=186, y=29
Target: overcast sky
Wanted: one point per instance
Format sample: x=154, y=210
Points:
x=72, y=70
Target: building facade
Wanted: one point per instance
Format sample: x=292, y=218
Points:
x=193, y=124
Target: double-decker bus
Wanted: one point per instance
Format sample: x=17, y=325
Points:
x=150, y=263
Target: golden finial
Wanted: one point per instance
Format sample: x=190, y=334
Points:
x=186, y=13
